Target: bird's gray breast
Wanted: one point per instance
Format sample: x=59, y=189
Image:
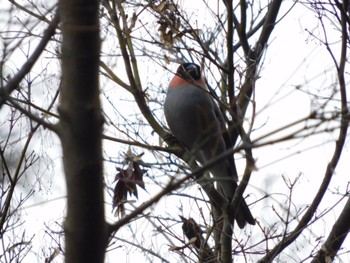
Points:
x=189, y=111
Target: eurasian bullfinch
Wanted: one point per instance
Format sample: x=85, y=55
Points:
x=196, y=121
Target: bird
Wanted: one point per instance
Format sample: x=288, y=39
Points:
x=197, y=123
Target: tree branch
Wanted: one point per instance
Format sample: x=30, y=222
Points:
x=341, y=227
x=339, y=145
x=13, y=83
x=130, y=66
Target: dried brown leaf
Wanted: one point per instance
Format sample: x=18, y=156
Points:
x=127, y=181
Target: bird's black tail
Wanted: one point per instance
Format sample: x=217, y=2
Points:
x=243, y=215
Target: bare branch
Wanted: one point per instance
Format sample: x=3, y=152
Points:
x=339, y=145
x=14, y=82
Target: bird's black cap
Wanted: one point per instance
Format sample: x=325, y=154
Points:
x=189, y=70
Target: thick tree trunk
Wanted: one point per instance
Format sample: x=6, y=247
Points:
x=80, y=130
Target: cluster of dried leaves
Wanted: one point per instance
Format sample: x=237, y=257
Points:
x=128, y=178
x=170, y=26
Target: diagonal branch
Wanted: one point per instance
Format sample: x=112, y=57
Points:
x=13, y=83
x=172, y=185
x=336, y=237
x=135, y=88
x=341, y=227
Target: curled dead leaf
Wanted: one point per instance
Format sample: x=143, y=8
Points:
x=128, y=178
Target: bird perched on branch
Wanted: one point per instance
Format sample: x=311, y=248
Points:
x=196, y=121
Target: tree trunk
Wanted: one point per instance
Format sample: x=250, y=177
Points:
x=80, y=130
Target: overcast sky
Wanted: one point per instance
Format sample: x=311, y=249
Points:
x=294, y=59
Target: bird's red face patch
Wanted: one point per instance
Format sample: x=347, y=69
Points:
x=178, y=81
